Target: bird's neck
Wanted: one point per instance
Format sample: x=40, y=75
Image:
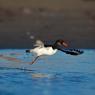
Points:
x=55, y=46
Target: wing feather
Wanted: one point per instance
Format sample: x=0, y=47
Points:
x=39, y=43
x=72, y=51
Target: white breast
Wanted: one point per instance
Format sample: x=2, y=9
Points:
x=43, y=51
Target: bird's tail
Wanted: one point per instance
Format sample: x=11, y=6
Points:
x=27, y=51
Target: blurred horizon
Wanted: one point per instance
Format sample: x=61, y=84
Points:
x=22, y=22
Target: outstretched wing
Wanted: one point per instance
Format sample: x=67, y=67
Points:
x=39, y=43
x=72, y=51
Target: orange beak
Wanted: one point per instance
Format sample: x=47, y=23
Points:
x=65, y=44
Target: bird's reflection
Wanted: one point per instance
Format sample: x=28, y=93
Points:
x=41, y=75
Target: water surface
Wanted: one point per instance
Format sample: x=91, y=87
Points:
x=60, y=74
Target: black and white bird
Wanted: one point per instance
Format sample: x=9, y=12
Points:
x=41, y=49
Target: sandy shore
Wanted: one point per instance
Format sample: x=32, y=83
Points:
x=19, y=28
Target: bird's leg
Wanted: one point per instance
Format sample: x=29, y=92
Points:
x=35, y=60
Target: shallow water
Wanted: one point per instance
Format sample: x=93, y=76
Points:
x=60, y=74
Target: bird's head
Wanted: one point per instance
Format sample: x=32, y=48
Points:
x=61, y=42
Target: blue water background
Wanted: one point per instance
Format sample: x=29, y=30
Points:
x=60, y=74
